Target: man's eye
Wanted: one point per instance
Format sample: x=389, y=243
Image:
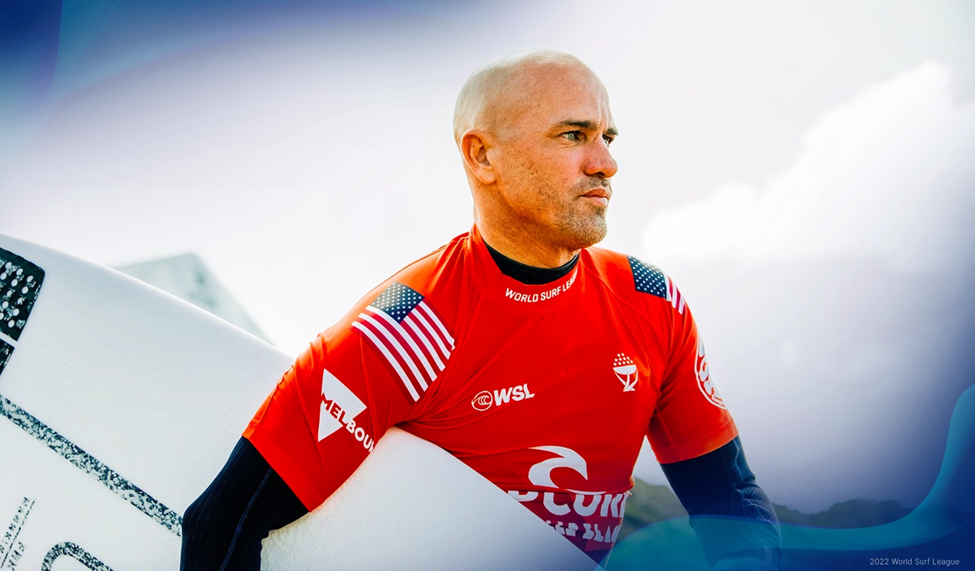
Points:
x=573, y=135
x=608, y=139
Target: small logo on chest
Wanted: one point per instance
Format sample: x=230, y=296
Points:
x=626, y=372
x=484, y=399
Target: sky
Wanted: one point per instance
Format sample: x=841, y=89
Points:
x=803, y=170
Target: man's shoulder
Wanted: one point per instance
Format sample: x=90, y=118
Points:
x=445, y=263
x=631, y=278
x=620, y=270
x=429, y=276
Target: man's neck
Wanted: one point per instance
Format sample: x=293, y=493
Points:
x=526, y=248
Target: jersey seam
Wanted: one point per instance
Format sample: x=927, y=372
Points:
x=632, y=303
x=419, y=260
x=729, y=424
x=307, y=483
x=644, y=316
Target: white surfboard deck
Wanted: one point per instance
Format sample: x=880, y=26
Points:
x=120, y=403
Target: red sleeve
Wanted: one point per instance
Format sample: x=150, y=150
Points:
x=327, y=411
x=691, y=418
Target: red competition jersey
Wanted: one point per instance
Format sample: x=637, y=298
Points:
x=545, y=390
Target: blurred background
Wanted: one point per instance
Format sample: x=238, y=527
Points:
x=805, y=171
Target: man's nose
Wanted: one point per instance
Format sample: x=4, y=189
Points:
x=601, y=162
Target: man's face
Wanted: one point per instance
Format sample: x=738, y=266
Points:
x=554, y=163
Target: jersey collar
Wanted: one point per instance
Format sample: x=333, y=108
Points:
x=511, y=292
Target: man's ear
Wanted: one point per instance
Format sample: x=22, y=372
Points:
x=475, y=146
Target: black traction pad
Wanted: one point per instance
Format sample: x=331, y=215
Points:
x=20, y=283
x=6, y=349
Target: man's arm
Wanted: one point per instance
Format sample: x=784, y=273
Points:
x=731, y=515
x=224, y=527
x=316, y=427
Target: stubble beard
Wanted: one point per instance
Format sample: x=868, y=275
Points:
x=583, y=230
x=583, y=225
x=580, y=223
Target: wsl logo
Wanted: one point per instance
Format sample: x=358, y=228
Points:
x=626, y=372
x=482, y=401
x=704, y=378
x=485, y=399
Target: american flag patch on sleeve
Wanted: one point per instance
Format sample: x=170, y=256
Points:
x=650, y=279
x=408, y=335
x=674, y=296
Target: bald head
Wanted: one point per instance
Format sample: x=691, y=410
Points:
x=534, y=133
x=496, y=94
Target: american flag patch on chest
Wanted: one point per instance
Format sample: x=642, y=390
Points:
x=409, y=336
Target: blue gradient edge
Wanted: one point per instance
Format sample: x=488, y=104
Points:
x=939, y=529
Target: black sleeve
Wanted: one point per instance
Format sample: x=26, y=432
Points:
x=224, y=527
x=731, y=515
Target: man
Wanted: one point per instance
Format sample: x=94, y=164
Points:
x=589, y=350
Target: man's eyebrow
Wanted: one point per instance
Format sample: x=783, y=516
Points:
x=590, y=125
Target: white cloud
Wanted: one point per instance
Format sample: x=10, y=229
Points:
x=883, y=174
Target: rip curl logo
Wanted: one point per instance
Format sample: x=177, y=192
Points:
x=591, y=516
x=541, y=473
x=626, y=372
x=704, y=382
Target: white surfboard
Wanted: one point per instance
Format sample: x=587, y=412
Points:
x=120, y=403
